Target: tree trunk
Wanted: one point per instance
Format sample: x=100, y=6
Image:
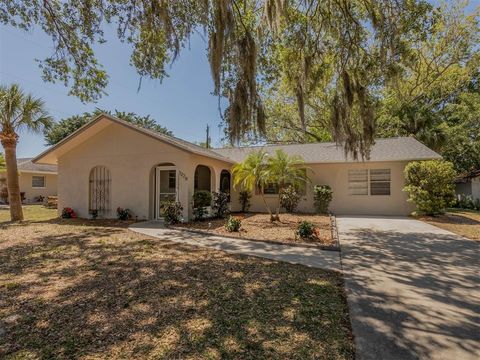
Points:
x=10, y=145
x=266, y=205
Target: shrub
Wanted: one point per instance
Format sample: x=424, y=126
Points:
x=233, y=224
x=201, y=199
x=429, y=185
x=220, y=204
x=123, y=214
x=39, y=199
x=172, y=211
x=68, y=213
x=93, y=214
x=305, y=229
x=244, y=199
x=289, y=198
x=322, y=196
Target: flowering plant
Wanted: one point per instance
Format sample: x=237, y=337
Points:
x=68, y=213
x=123, y=214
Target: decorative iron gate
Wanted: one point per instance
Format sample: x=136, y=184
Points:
x=100, y=189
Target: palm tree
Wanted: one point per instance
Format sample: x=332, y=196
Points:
x=251, y=174
x=284, y=170
x=2, y=162
x=18, y=111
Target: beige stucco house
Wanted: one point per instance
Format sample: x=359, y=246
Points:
x=110, y=163
x=36, y=181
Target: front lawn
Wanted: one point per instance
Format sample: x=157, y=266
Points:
x=30, y=213
x=462, y=222
x=91, y=290
x=258, y=227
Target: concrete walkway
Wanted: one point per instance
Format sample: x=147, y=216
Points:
x=413, y=289
x=308, y=256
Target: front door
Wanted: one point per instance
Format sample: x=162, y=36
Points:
x=165, y=186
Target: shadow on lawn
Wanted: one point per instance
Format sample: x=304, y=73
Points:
x=104, y=291
x=413, y=295
x=454, y=219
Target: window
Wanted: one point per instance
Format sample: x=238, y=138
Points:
x=38, y=181
x=271, y=189
x=99, y=189
x=172, y=179
x=358, y=182
x=380, y=182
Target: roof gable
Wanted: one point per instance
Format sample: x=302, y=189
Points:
x=100, y=122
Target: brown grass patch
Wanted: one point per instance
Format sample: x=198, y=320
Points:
x=462, y=222
x=258, y=227
x=95, y=290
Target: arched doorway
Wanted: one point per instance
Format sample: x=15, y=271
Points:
x=99, y=190
x=203, y=178
x=225, y=182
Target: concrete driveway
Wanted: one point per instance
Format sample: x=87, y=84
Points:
x=413, y=289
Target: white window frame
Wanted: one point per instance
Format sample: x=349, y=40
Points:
x=44, y=182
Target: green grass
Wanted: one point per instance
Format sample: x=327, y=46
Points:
x=93, y=289
x=31, y=213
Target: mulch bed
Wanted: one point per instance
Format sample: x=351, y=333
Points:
x=257, y=226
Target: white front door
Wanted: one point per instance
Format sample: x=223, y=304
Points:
x=166, y=188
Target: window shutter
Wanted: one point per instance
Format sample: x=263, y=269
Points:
x=358, y=182
x=380, y=181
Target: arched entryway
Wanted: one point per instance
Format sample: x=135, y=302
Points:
x=99, y=190
x=163, y=187
x=225, y=182
x=203, y=178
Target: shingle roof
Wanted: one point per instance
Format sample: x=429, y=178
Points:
x=392, y=149
x=26, y=164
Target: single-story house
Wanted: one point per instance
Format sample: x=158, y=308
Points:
x=110, y=163
x=468, y=184
x=36, y=181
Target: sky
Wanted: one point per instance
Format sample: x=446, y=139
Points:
x=182, y=102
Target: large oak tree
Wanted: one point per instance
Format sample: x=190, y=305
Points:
x=345, y=47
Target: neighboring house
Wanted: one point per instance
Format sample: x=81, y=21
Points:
x=469, y=184
x=110, y=163
x=35, y=180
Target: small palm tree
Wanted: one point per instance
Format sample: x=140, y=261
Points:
x=18, y=111
x=251, y=174
x=285, y=170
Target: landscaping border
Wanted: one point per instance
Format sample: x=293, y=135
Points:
x=334, y=230
x=285, y=243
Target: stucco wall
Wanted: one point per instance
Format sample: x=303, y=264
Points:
x=336, y=175
x=130, y=157
x=25, y=182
